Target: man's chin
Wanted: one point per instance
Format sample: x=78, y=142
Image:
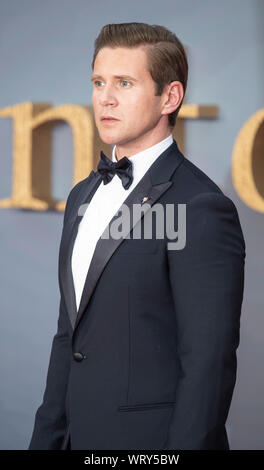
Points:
x=108, y=138
x=114, y=138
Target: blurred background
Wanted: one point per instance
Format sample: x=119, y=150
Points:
x=46, y=50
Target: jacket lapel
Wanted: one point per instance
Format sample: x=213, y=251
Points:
x=153, y=184
x=67, y=243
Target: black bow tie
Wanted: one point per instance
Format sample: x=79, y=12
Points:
x=122, y=168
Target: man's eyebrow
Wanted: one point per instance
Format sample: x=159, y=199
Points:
x=125, y=77
x=94, y=76
x=121, y=77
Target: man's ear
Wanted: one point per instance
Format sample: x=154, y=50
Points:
x=173, y=95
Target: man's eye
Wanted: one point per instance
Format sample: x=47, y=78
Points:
x=125, y=83
x=98, y=83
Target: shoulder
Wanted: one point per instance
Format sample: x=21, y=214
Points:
x=190, y=180
x=207, y=207
x=74, y=193
x=194, y=186
x=80, y=185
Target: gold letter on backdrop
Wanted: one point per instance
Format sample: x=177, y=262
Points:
x=32, y=124
x=248, y=162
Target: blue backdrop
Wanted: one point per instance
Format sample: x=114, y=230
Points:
x=45, y=55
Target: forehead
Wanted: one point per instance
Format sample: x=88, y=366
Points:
x=122, y=61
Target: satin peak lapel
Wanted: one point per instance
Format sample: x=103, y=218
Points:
x=71, y=229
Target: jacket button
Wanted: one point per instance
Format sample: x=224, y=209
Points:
x=78, y=356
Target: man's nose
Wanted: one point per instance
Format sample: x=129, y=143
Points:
x=107, y=96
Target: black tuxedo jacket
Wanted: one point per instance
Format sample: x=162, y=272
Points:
x=149, y=360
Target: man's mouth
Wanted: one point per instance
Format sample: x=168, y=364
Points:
x=108, y=118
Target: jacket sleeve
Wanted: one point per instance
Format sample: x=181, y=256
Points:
x=50, y=420
x=207, y=282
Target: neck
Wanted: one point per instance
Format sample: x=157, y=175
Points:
x=127, y=149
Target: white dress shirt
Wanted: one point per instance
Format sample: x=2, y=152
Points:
x=105, y=203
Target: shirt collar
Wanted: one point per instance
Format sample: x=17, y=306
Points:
x=150, y=154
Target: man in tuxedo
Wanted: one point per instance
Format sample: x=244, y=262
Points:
x=144, y=356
